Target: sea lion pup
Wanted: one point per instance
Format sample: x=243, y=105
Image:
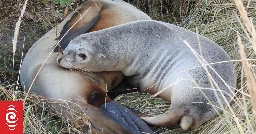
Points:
x=40, y=71
x=173, y=63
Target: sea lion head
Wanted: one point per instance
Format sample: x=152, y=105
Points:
x=87, y=54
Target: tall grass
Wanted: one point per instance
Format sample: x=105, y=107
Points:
x=250, y=31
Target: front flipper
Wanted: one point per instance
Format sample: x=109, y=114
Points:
x=126, y=118
x=81, y=21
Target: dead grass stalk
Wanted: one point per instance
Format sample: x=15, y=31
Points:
x=248, y=73
x=17, y=27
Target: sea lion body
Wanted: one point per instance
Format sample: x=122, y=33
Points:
x=174, y=63
x=40, y=73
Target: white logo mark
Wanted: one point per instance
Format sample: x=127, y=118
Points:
x=11, y=118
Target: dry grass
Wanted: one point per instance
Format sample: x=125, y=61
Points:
x=252, y=38
x=172, y=11
x=220, y=21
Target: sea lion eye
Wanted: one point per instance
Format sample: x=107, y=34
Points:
x=83, y=56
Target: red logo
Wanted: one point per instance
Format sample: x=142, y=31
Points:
x=11, y=117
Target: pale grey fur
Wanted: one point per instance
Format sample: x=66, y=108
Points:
x=155, y=56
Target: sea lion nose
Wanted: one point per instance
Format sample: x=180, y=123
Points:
x=59, y=60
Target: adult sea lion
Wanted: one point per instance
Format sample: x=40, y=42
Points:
x=40, y=73
x=187, y=69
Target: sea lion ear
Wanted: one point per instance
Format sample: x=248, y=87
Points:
x=101, y=56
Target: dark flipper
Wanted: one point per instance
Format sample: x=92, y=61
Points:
x=126, y=118
x=81, y=21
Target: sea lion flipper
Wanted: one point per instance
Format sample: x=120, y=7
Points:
x=126, y=118
x=173, y=117
x=100, y=122
x=169, y=118
x=186, y=122
x=81, y=21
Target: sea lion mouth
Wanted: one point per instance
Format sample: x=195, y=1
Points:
x=72, y=68
x=78, y=70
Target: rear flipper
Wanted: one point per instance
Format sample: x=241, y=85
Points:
x=126, y=118
x=188, y=119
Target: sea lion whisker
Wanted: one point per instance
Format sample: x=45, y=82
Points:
x=78, y=70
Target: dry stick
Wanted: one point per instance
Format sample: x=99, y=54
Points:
x=250, y=80
x=7, y=93
x=82, y=15
x=16, y=32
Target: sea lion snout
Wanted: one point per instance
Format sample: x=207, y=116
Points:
x=67, y=56
x=59, y=60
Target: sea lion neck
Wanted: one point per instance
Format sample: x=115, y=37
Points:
x=126, y=44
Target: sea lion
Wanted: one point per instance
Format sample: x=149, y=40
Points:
x=106, y=13
x=189, y=70
x=40, y=73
